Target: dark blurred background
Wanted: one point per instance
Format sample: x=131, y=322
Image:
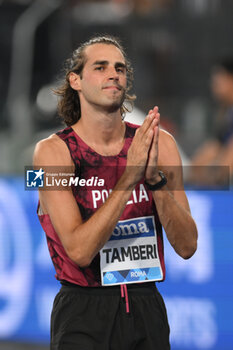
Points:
x=173, y=46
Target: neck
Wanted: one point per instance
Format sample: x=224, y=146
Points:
x=101, y=127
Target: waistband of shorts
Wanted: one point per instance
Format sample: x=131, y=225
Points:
x=145, y=288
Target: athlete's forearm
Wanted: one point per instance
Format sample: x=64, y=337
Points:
x=90, y=236
x=178, y=224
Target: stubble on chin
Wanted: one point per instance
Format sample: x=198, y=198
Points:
x=117, y=103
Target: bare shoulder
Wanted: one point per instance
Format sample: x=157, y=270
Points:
x=51, y=151
x=166, y=139
x=168, y=150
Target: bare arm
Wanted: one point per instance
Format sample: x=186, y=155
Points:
x=171, y=201
x=83, y=240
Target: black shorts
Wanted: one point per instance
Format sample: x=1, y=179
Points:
x=96, y=318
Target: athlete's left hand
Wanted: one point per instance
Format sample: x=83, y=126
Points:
x=151, y=172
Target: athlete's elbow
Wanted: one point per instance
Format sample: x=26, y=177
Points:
x=187, y=254
x=189, y=245
x=82, y=261
x=189, y=250
x=80, y=258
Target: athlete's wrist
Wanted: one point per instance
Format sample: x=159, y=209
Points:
x=160, y=181
x=132, y=175
x=127, y=182
x=153, y=179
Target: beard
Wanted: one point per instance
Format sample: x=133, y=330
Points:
x=110, y=101
x=117, y=103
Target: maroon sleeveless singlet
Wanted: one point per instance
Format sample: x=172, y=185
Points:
x=92, y=166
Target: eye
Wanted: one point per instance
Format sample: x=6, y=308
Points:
x=100, y=68
x=120, y=70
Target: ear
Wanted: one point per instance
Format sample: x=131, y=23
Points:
x=74, y=80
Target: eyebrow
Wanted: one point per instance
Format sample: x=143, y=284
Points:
x=104, y=63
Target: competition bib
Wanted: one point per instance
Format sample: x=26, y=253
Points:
x=131, y=254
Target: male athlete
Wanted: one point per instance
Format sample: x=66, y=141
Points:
x=106, y=240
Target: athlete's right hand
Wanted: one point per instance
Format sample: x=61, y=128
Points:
x=137, y=156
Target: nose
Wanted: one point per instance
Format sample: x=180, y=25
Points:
x=113, y=74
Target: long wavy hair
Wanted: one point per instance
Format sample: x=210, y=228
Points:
x=69, y=108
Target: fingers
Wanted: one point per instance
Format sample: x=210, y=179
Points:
x=156, y=124
x=156, y=114
x=152, y=119
x=154, y=146
x=149, y=129
x=143, y=150
x=155, y=127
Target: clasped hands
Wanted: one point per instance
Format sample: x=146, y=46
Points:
x=142, y=155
